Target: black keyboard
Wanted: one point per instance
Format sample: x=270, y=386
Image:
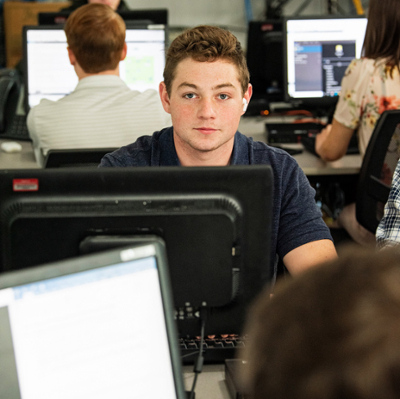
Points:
x=17, y=130
x=216, y=349
x=291, y=132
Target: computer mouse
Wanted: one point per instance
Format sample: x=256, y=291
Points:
x=11, y=146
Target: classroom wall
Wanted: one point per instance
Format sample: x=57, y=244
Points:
x=191, y=13
x=230, y=14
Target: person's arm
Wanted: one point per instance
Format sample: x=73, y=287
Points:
x=331, y=144
x=309, y=255
x=388, y=231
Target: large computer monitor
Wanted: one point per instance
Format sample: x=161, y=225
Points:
x=317, y=52
x=265, y=62
x=215, y=223
x=49, y=74
x=153, y=16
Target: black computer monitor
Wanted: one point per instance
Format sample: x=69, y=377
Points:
x=265, y=62
x=49, y=74
x=153, y=16
x=317, y=51
x=215, y=223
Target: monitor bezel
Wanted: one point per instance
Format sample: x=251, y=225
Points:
x=154, y=246
x=321, y=102
x=160, y=14
x=133, y=26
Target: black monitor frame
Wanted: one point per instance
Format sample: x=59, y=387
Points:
x=313, y=102
x=76, y=157
x=158, y=16
x=26, y=28
x=265, y=63
x=215, y=222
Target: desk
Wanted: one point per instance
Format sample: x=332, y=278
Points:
x=210, y=383
x=18, y=160
x=250, y=126
x=311, y=165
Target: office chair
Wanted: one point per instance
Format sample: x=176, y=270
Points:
x=79, y=157
x=380, y=160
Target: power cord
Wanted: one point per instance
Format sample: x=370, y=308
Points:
x=198, y=366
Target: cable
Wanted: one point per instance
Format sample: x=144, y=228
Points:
x=189, y=354
x=200, y=360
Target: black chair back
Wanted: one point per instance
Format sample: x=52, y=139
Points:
x=79, y=157
x=380, y=160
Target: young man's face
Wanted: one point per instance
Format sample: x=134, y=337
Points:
x=205, y=104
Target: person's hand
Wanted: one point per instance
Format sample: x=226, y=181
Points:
x=321, y=138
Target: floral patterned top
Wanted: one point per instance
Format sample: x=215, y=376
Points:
x=367, y=91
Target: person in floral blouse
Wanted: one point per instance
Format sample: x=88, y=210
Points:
x=370, y=86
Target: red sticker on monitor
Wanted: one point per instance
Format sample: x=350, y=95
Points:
x=25, y=184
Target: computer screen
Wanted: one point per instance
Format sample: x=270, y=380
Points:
x=81, y=328
x=49, y=74
x=317, y=53
x=215, y=223
x=265, y=62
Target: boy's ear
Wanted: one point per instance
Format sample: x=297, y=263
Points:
x=162, y=89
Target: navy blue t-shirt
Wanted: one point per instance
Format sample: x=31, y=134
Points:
x=296, y=219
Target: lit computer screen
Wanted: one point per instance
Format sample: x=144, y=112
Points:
x=50, y=75
x=98, y=326
x=317, y=52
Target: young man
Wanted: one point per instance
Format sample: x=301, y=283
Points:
x=206, y=90
x=102, y=111
x=333, y=332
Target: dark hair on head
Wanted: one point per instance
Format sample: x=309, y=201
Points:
x=96, y=35
x=382, y=37
x=332, y=332
x=206, y=44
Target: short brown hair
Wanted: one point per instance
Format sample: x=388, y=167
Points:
x=96, y=35
x=382, y=37
x=332, y=332
x=206, y=44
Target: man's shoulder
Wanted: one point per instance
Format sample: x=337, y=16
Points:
x=261, y=153
x=45, y=104
x=139, y=153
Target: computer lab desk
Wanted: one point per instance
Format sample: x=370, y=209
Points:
x=18, y=160
x=253, y=127
x=210, y=382
x=310, y=164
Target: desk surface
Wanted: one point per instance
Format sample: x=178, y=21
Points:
x=210, y=383
x=311, y=165
x=18, y=160
x=253, y=127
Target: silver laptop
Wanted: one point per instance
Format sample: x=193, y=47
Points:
x=98, y=326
